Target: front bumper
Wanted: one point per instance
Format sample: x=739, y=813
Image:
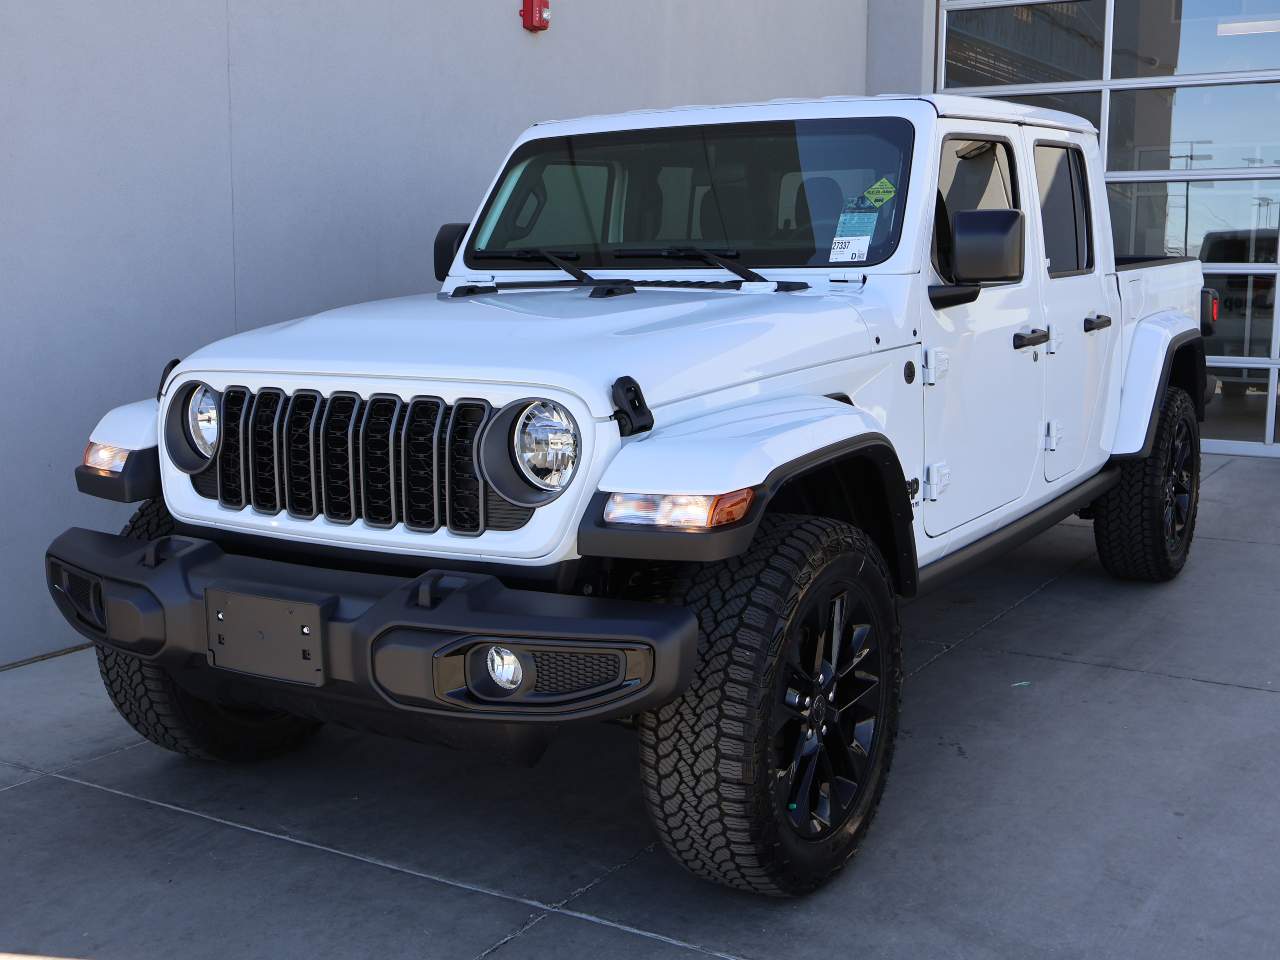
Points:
x=267, y=632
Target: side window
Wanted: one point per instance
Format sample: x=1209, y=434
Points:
x=977, y=175
x=973, y=175
x=1064, y=209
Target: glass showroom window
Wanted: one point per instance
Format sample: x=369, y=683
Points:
x=1194, y=128
x=1026, y=43
x=1165, y=38
x=1185, y=94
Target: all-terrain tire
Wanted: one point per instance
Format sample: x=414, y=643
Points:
x=1131, y=521
x=146, y=695
x=712, y=760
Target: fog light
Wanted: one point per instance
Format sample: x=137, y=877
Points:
x=504, y=668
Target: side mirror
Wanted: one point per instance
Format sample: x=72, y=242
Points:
x=448, y=240
x=987, y=246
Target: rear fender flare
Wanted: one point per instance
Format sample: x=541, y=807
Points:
x=1166, y=348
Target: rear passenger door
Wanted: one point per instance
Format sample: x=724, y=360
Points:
x=1077, y=303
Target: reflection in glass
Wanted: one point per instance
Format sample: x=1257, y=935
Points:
x=1030, y=43
x=1275, y=436
x=1164, y=38
x=1087, y=105
x=1246, y=317
x=1218, y=221
x=1238, y=409
x=1194, y=128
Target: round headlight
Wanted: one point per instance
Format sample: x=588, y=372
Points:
x=545, y=445
x=202, y=419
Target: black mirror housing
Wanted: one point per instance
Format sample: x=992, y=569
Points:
x=987, y=246
x=448, y=240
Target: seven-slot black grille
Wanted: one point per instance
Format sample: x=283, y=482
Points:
x=230, y=454
x=466, y=505
x=377, y=459
x=264, y=451
x=423, y=425
x=302, y=454
x=381, y=460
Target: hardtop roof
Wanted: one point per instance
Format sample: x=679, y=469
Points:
x=944, y=105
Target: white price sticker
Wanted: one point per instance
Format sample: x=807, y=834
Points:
x=849, y=249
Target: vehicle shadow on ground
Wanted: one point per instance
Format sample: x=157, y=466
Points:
x=1004, y=831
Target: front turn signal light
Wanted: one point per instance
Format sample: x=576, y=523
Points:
x=104, y=456
x=678, y=511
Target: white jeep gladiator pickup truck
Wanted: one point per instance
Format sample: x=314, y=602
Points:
x=704, y=393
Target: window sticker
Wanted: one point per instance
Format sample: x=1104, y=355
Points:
x=880, y=192
x=856, y=227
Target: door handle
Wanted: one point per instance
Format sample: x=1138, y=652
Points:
x=1100, y=322
x=1032, y=339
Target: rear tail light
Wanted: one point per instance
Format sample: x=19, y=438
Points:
x=1210, y=305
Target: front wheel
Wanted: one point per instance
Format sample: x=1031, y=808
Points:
x=766, y=773
x=148, y=697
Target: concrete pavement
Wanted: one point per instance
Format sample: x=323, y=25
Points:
x=1086, y=769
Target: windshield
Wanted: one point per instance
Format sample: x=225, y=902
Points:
x=807, y=193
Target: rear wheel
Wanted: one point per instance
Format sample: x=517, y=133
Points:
x=147, y=696
x=766, y=773
x=1144, y=525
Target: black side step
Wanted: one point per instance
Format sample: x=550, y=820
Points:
x=1019, y=532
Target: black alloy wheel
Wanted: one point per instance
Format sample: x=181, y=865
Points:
x=765, y=774
x=1179, y=487
x=828, y=709
x=1144, y=525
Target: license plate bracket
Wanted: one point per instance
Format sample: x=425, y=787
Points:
x=282, y=638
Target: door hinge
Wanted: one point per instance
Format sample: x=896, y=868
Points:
x=937, y=477
x=1053, y=435
x=935, y=366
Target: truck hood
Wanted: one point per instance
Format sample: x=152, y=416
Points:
x=675, y=343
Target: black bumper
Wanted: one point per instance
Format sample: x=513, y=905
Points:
x=330, y=642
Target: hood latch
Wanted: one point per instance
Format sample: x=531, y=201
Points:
x=632, y=413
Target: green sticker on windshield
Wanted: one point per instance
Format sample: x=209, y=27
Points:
x=880, y=192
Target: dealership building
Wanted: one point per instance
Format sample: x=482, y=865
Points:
x=175, y=171
x=1186, y=96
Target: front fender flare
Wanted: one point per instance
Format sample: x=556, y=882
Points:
x=762, y=446
x=132, y=427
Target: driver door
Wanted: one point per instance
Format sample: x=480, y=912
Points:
x=984, y=397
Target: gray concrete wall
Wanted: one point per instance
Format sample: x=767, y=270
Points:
x=172, y=171
x=901, y=45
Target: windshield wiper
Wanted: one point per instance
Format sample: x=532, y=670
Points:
x=714, y=258
x=558, y=259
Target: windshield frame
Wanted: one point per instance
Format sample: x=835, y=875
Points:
x=476, y=259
